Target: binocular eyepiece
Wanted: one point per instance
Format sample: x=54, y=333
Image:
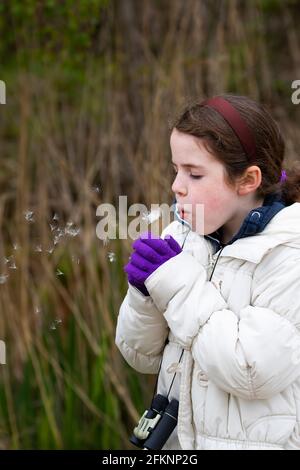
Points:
x=156, y=424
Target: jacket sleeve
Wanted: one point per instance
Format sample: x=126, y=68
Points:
x=141, y=332
x=141, y=329
x=254, y=354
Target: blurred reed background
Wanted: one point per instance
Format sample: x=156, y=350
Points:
x=91, y=88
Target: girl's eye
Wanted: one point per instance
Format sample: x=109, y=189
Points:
x=196, y=177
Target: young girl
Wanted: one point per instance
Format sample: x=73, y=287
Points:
x=221, y=309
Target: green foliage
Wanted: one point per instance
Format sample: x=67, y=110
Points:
x=49, y=31
x=270, y=6
x=54, y=395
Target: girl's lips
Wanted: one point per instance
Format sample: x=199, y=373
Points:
x=183, y=213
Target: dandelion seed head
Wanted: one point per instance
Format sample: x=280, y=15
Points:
x=152, y=216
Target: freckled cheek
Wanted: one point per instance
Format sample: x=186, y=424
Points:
x=214, y=201
x=212, y=208
x=213, y=204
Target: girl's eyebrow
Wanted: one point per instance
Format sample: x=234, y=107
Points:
x=189, y=165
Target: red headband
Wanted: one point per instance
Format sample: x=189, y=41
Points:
x=236, y=122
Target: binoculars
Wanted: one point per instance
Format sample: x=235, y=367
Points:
x=156, y=424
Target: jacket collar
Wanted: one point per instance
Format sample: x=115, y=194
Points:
x=263, y=228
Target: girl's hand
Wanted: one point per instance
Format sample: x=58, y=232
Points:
x=150, y=253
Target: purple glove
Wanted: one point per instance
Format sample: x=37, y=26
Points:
x=150, y=253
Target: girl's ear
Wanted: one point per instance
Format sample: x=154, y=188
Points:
x=250, y=181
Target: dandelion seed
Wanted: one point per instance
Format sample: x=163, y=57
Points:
x=16, y=246
x=111, y=256
x=29, y=216
x=38, y=248
x=152, y=216
x=13, y=266
x=3, y=278
x=96, y=189
x=60, y=232
x=50, y=250
x=59, y=272
x=58, y=321
x=72, y=231
x=52, y=326
x=58, y=236
x=105, y=241
x=69, y=224
x=11, y=260
x=37, y=310
x=54, y=224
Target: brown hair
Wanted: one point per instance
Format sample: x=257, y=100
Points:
x=220, y=140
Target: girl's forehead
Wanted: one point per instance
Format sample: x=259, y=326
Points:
x=182, y=142
x=188, y=149
x=181, y=138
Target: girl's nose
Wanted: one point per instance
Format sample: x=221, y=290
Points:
x=178, y=187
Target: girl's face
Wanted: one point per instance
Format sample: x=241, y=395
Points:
x=200, y=180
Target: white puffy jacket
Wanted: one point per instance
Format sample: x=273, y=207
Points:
x=238, y=382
